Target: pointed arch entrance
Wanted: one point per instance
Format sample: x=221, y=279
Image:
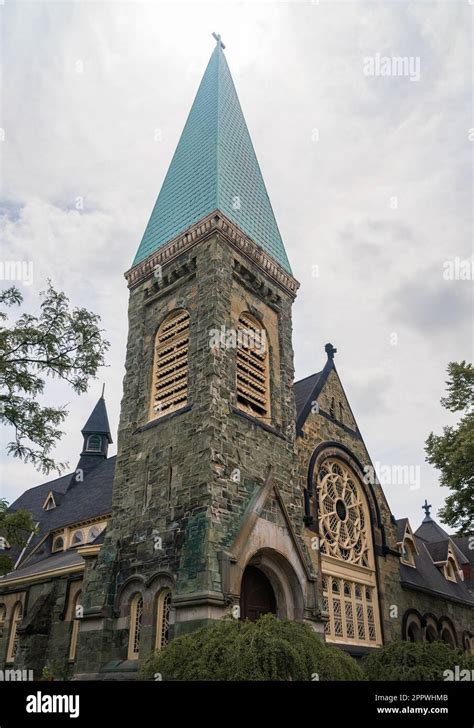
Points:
x=257, y=596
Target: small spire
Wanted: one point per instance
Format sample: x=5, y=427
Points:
x=330, y=351
x=103, y=391
x=426, y=507
x=218, y=40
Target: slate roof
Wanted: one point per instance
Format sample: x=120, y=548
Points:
x=462, y=543
x=428, y=577
x=303, y=391
x=55, y=561
x=98, y=421
x=79, y=502
x=213, y=168
x=432, y=533
x=438, y=550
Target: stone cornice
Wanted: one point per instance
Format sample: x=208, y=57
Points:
x=205, y=228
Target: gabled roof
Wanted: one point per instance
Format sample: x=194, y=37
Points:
x=428, y=577
x=98, y=422
x=431, y=532
x=401, y=528
x=213, y=168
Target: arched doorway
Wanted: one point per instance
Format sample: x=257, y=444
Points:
x=256, y=595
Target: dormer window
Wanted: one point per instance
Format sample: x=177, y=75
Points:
x=450, y=569
x=407, y=545
x=49, y=503
x=408, y=552
x=94, y=443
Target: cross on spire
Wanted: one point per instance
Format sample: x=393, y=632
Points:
x=330, y=351
x=426, y=507
x=218, y=40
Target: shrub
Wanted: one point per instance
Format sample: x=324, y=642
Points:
x=414, y=661
x=269, y=649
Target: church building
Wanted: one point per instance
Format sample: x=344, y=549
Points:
x=235, y=489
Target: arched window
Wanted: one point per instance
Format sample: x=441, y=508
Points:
x=447, y=634
x=136, y=615
x=163, y=609
x=94, y=443
x=58, y=544
x=413, y=630
x=347, y=559
x=253, y=376
x=17, y=616
x=170, y=365
x=447, y=637
x=77, y=538
x=76, y=617
x=431, y=629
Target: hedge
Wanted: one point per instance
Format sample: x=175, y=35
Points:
x=415, y=661
x=268, y=649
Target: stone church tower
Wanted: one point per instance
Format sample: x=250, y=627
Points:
x=206, y=465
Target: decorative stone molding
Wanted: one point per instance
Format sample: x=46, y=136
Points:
x=202, y=230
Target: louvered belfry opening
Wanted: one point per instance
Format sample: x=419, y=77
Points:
x=170, y=368
x=252, y=368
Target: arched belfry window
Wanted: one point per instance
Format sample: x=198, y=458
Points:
x=347, y=558
x=170, y=365
x=136, y=616
x=253, y=380
x=16, y=618
x=163, y=610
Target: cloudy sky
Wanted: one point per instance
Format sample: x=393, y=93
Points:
x=369, y=176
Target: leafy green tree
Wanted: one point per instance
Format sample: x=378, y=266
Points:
x=268, y=649
x=453, y=451
x=15, y=527
x=59, y=342
x=414, y=661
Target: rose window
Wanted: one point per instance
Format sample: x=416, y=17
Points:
x=342, y=520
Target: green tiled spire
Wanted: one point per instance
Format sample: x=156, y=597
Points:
x=214, y=167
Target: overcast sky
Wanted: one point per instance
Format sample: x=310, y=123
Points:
x=370, y=178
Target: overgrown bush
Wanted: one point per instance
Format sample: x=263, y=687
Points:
x=269, y=649
x=414, y=661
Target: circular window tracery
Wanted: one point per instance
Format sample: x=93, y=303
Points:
x=342, y=517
